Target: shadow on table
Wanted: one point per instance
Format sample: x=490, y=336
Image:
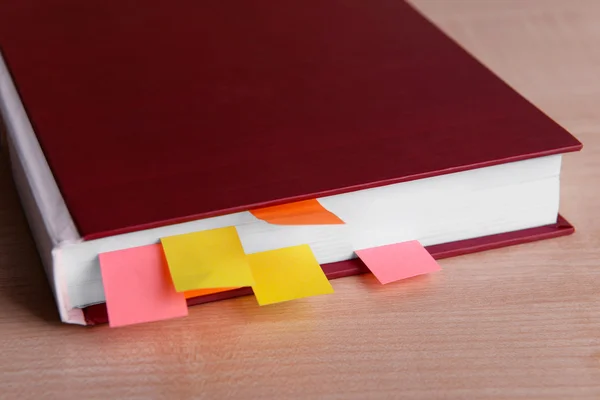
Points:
x=24, y=287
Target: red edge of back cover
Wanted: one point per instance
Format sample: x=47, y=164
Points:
x=183, y=110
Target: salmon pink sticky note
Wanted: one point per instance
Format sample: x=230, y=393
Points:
x=138, y=286
x=398, y=261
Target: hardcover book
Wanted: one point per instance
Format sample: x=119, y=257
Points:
x=126, y=124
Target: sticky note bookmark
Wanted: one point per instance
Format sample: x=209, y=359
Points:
x=398, y=261
x=203, y=292
x=207, y=260
x=307, y=212
x=138, y=287
x=287, y=274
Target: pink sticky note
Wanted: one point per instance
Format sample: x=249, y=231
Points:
x=138, y=287
x=398, y=261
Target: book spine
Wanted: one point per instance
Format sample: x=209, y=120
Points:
x=47, y=214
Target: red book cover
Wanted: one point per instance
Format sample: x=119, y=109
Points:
x=168, y=111
x=182, y=110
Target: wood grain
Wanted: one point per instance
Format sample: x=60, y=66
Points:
x=522, y=322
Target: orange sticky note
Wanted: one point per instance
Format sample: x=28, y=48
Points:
x=398, y=261
x=306, y=212
x=203, y=292
x=138, y=286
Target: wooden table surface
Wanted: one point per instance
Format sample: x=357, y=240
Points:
x=521, y=322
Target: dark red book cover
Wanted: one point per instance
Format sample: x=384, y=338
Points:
x=164, y=111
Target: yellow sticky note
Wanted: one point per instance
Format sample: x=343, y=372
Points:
x=287, y=274
x=207, y=260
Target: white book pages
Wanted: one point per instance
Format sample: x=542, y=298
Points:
x=435, y=210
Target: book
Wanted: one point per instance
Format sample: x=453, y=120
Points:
x=127, y=124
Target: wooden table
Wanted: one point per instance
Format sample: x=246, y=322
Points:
x=521, y=322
